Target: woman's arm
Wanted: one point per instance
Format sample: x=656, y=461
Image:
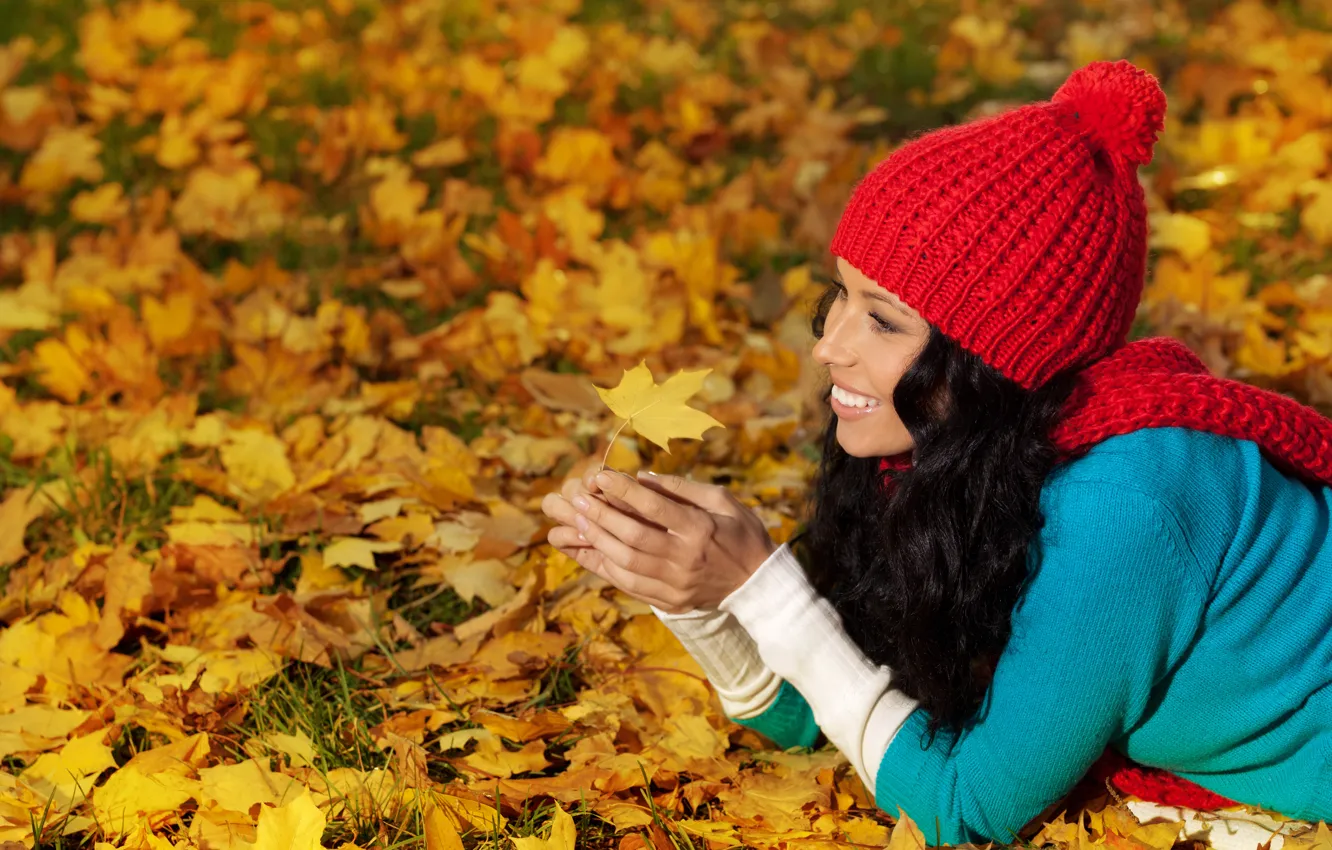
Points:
x=721, y=646
x=800, y=636
x=1113, y=604
x=751, y=693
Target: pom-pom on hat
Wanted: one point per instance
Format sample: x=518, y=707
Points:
x=1022, y=236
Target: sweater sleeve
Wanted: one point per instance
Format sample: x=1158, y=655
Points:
x=750, y=692
x=1114, y=601
x=800, y=636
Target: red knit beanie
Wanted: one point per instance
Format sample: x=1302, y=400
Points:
x=1021, y=236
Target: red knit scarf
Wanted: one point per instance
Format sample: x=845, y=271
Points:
x=1159, y=383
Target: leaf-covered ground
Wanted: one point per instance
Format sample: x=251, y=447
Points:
x=301, y=307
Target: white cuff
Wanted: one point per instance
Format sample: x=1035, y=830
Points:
x=729, y=658
x=800, y=637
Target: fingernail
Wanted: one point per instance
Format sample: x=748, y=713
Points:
x=603, y=479
x=581, y=537
x=581, y=503
x=581, y=522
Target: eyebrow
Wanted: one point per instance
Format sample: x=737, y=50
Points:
x=877, y=295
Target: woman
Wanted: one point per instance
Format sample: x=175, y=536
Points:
x=1030, y=540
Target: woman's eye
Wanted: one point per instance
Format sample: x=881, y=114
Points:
x=883, y=325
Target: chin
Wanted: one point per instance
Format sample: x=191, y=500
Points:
x=867, y=448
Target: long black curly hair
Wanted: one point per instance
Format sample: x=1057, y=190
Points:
x=925, y=573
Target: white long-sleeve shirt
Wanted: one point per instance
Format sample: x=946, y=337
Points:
x=776, y=626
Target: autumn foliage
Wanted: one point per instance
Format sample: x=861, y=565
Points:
x=303, y=308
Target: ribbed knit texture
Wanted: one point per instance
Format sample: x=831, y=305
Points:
x=1159, y=381
x=788, y=721
x=1180, y=613
x=1022, y=236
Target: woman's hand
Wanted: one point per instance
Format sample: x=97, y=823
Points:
x=560, y=507
x=673, y=543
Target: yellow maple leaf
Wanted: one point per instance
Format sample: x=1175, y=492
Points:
x=1187, y=234
x=239, y=786
x=440, y=833
x=102, y=205
x=66, y=155
x=65, y=777
x=219, y=670
x=441, y=154
x=658, y=412
x=60, y=368
x=562, y=834
x=356, y=552
x=906, y=835
x=296, y=826
x=257, y=464
x=129, y=794
x=159, y=23
x=1321, y=839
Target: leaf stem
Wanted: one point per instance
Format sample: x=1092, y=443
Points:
x=611, y=443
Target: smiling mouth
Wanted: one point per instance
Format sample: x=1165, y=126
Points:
x=850, y=399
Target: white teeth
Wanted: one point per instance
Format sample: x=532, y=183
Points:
x=853, y=400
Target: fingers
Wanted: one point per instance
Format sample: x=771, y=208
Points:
x=558, y=508
x=567, y=539
x=649, y=589
x=623, y=539
x=645, y=587
x=587, y=487
x=710, y=497
x=651, y=504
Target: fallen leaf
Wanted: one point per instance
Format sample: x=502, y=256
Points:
x=659, y=412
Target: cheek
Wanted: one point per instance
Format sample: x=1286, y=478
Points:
x=885, y=372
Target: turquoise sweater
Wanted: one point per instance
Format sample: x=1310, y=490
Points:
x=1178, y=609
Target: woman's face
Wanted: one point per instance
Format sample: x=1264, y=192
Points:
x=869, y=339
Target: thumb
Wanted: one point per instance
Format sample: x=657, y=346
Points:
x=710, y=497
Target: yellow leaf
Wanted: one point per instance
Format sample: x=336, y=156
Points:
x=906, y=835
x=298, y=748
x=466, y=814
x=170, y=320
x=487, y=578
x=396, y=201
x=66, y=777
x=494, y=759
x=62, y=373
x=102, y=205
x=129, y=794
x=1316, y=217
x=440, y=833
x=357, y=552
x=578, y=154
x=562, y=834
x=1188, y=235
x=220, y=669
x=298, y=825
x=66, y=155
x=239, y=786
x=257, y=464
x=442, y=154
x=659, y=412
x=1320, y=839
x=159, y=23
x=205, y=508
x=17, y=511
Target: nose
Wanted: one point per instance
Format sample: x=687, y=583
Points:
x=831, y=349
